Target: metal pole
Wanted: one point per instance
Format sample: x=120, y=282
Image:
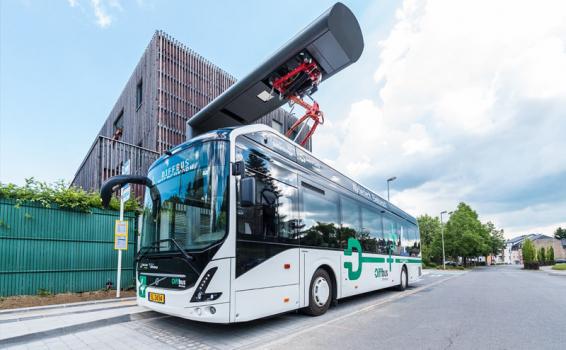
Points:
x=442, y=233
x=388, y=181
x=119, y=273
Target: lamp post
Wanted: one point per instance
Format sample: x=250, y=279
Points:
x=388, y=181
x=442, y=233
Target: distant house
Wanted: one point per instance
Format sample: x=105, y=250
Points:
x=513, y=252
x=515, y=247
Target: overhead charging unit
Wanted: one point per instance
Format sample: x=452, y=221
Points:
x=292, y=74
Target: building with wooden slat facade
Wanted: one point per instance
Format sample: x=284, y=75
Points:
x=169, y=85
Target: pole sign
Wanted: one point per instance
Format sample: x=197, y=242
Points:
x=126, y=168
x=125, y=193
x=121, y=235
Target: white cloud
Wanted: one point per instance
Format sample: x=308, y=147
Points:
x=102, y=18
x=470, y=108
x=100, y=10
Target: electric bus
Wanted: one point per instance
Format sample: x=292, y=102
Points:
x=242, y=223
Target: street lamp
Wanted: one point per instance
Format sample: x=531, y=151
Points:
x=442, y=233
x=388, y=181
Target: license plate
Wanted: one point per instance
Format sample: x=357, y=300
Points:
x=157, y=298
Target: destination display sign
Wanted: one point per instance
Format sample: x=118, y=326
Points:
x=368, y=194
x=176, y=169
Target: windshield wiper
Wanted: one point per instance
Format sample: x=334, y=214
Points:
x=188, y=258
x=144, y=250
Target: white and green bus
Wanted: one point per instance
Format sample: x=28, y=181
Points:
x=242, y=223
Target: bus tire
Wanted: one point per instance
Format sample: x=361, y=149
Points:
x=320, y=293
x=404, y=280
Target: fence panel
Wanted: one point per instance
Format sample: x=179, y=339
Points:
x=60, y=250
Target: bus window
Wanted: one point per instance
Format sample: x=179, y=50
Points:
x=389, y=235
x=372, y=226
x=400, y=231
x=319, y=218
x=351, y=225
x=406, y=239
x=274, y=216
x=415, y=247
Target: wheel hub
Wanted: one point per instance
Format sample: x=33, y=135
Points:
x=321, y=291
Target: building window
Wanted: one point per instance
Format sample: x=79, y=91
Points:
x=276, y=124
x=118, y=126
x=139, y=89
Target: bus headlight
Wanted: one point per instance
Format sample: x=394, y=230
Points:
x=200, y=293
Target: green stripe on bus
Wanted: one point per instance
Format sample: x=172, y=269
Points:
x=408, y=261
x=371, y=259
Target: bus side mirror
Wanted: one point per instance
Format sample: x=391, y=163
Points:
x=247, y=191
x=118, y=181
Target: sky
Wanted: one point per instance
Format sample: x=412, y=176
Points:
x=462, y=101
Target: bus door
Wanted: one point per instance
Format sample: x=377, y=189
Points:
x=267, y=253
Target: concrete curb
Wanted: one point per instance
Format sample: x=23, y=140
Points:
x=57, y=332
x=35, y=317
x=62, y=306
x=552, y=272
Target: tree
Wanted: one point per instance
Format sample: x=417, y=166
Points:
x=429, y=227
x=529, y=254
x=542, y=255
x=550, y=255
x=496, y=239
x=431, y=242
x=560, y=233
x=465, y=235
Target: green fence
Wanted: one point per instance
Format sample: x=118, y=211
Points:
x=60, y=250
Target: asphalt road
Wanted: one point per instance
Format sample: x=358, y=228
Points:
x=490, y=308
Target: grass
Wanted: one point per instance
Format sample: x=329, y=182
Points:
x=559, y=267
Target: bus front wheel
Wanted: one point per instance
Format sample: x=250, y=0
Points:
x=320, y=293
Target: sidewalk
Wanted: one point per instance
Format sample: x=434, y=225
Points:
x=23, y=325
x=550, y=271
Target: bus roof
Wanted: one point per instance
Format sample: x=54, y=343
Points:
x=297, y=154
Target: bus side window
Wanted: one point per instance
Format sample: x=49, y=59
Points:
x=389, y=235
x=273, y=217
x=351, y=226
x=415, y=248
x=319, y=224
x=371, y=223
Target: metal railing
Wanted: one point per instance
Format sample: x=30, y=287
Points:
x=105, y=159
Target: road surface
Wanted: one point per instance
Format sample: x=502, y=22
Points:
x=492, y=308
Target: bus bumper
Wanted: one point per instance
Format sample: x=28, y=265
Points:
x=214, y=313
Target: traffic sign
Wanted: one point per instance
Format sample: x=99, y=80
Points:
x=126, y=168
x=121, y=235
x=125, y=193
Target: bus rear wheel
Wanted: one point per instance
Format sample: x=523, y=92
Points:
x=404, y=281
x=320, y=293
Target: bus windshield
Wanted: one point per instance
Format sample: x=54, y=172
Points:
x=191, y=212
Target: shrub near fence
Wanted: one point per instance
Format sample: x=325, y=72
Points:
x=60, y=250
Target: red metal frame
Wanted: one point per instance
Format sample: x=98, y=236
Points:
x=312, y=111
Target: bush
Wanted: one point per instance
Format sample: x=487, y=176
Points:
x=550, y=256
x=42, y=292
x=533, y=265
x=60, y=194
x=429, y=265
x=542, y=256
x=529, y=253
x=559, y=267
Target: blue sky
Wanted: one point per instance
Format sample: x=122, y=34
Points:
x=461, y=101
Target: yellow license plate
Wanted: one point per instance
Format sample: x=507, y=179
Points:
x=157, y=298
